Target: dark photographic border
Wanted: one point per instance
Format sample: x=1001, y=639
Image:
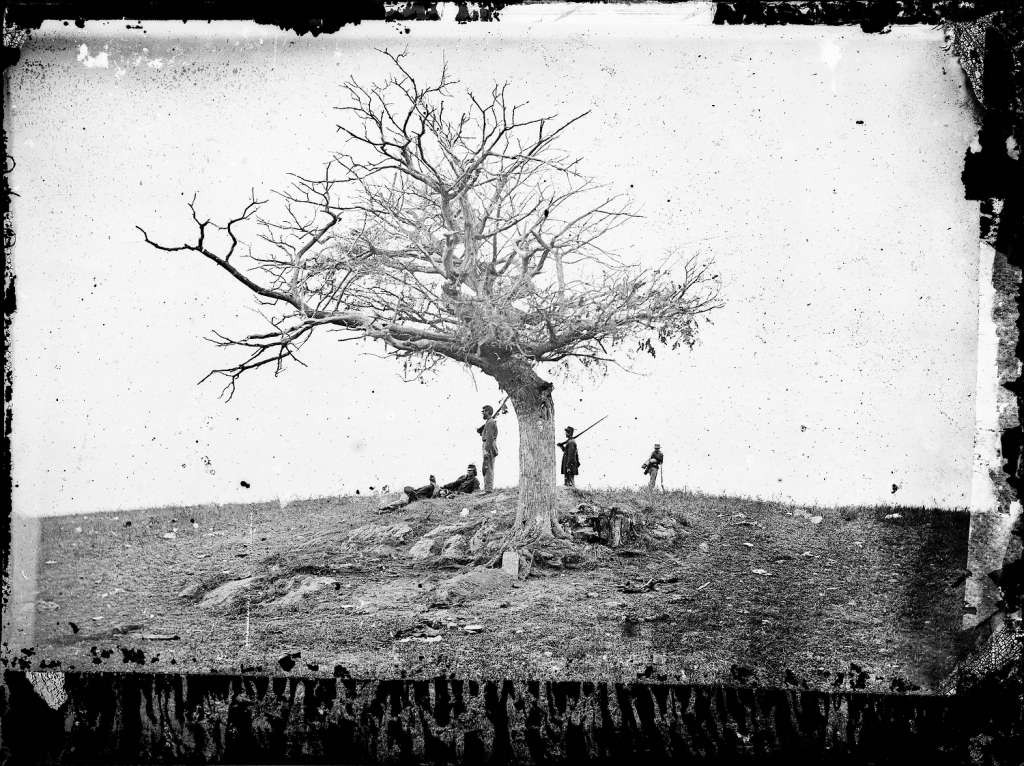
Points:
x=128, y=717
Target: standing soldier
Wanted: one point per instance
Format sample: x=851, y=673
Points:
x=489, y=437
x=570, y=458
x=653, y=466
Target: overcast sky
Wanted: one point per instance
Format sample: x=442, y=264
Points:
x=818, y=166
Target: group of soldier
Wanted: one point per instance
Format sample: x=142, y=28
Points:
x=488, y=431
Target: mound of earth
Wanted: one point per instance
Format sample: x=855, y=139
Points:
x=475, y=534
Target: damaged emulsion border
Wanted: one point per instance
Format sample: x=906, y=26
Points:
x=284, y=717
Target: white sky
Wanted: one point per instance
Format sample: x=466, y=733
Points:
x=844, y=361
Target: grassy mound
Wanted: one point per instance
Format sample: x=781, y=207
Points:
x=709, y=583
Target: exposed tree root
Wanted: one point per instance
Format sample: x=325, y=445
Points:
x=555, y=548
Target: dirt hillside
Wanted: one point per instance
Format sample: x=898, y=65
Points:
x=716, y=589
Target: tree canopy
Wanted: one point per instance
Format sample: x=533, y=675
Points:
x=446, y=232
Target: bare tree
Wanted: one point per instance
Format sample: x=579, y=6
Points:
x=468, y=237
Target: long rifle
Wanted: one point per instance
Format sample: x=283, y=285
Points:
x=495, y=414
x=577, y=436
x=500, y=406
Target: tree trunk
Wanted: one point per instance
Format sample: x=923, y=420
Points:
x=536, y=515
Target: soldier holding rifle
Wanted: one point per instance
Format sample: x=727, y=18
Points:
x=570, y=458
x=653, y=466
x=489, y=437
x=571, y=454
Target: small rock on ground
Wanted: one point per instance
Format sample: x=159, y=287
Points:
x=423, y=548
x=380, y=533
x=476, y=584
x=222, y=594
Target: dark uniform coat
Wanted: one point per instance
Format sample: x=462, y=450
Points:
x=570, y=458
x=466, y=483
x=656, y=459
x=421, y=493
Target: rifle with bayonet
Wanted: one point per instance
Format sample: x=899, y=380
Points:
x=500, y=411
x=577, y=436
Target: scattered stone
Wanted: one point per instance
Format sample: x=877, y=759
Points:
x=817, y=519
x=663, y=533
x=50, y=561
x=455, y=549
x=446, y=530
x=417, y=631
x=170, y=536
x=748, y=545
x=126, y=628
x=47, y=606
x=423, y=549
x=421, y=639
x=299, y=587
x=761, y=572
x=222, y=594
x=191, y=591
x=380, y=533
x=642, y=588
x=893, y=516
x=474, y=628
x=704, y=547
x=464, y=512
x=479, y=539
x=475, y=584
x=78, y=530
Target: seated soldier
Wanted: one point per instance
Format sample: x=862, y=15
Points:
x=412, y=495
x=465, y=484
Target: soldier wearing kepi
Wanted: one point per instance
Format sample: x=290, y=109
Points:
x=653, y=466
x=570, y=457
x=489, y=437
x=465, y=484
